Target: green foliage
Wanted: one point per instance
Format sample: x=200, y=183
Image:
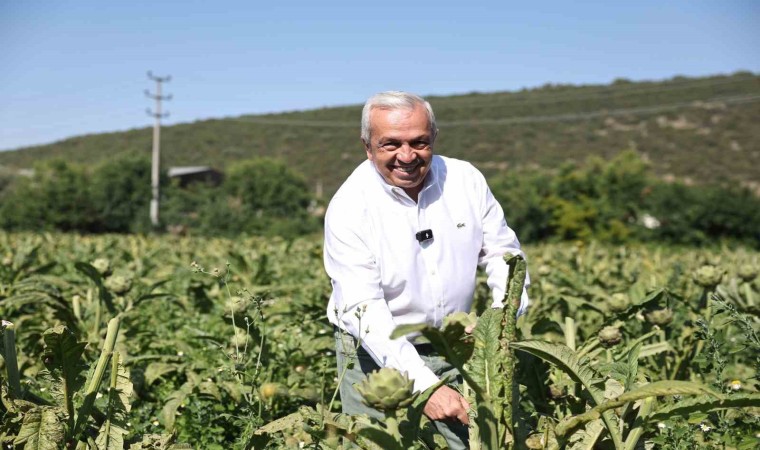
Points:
x=621, y=201
x=261, y=197
x=55, y=197
x=191, y=384
x=120, y=193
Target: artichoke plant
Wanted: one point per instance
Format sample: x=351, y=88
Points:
x=747, y=272
x=119, y=284
x=387, y=389
x=708, y=276
x=610, y=336
x=660, y=317
x=618, y=302
x=103, y=266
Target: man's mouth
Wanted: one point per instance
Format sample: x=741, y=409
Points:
x=407, y=168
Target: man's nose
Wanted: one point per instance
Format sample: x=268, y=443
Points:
x=406, y=154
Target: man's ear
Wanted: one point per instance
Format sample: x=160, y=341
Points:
x=367, y=148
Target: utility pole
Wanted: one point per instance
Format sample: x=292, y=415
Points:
x=156, y=170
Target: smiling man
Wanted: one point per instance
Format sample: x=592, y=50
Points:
x=404, y=236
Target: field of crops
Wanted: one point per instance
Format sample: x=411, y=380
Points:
x=167, y=342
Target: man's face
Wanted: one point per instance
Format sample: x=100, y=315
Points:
x=401, y=147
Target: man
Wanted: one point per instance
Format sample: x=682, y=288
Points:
x=404, y=236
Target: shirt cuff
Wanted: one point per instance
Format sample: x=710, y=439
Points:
x=423, y=378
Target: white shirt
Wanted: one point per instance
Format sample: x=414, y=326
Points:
x=375, y=261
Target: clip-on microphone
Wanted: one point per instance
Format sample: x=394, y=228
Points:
x=424, y=235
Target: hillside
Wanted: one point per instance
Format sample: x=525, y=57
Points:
x=701, y=129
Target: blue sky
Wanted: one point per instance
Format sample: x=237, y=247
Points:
x=78, y=67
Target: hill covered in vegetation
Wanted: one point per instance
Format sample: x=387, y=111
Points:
x=692, y=129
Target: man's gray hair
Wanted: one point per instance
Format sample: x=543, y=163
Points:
x=393, y=100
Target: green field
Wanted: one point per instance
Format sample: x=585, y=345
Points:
x=220, y=337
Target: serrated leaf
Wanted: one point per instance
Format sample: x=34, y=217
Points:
x=653, y=349
x=380, y=437
x=567, y=360
x=283, y=423
x=613, y=388
x=63, y=358
x=705, y=404
x=111, y=437
x=585, y=438
x=667, y=387
x=40, y=430
x=156, y=370
x=484, y=364
x=451, y=341
x=211, y=389
x=173, y=402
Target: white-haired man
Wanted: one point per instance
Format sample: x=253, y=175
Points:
x=404, y=236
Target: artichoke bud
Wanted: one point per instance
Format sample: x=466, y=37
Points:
x=557, y=392
x=660, y=317
x=747, y=272
x=707, y=276
x=387, y=389
x=610, y=336
x=535, y=441
x=103, y=266
x=119, y=284
x=618, y=302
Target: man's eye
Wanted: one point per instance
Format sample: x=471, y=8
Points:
x=420, y=145
x=389, y=146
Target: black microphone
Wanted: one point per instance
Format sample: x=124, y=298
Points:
x=424, y=235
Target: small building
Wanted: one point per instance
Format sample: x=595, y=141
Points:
x=196, y=174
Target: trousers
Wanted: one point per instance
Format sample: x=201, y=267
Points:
x=455, y=433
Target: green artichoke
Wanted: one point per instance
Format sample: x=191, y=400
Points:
x=387, y=389
x=618, y=302
x=707, y=276
x=119, y=284
x=660, y=316
x=747, y=272
x=610, y=336
x=103, y=266
x=535, y=441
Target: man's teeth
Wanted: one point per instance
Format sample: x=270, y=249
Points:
x=407, y=169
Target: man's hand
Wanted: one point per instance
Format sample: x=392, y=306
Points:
x=446, y=403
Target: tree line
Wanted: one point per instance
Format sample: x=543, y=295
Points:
x=617, y=201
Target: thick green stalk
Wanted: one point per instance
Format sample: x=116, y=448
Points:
x=570, y=333
x=391, y=424
x=517, y=271
x=11, y=360
x=631, y=441
x=111, y=393
x=100, y=368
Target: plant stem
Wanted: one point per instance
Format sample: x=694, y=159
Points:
x=11, y=360
x=97, y=377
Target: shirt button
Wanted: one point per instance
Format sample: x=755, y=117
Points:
x=432, y=272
